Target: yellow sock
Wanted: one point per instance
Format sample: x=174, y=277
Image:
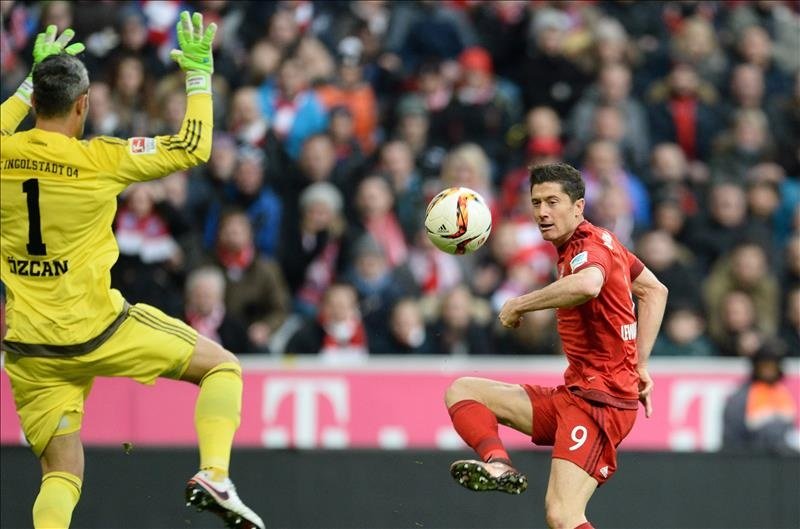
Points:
x=57, y=498
x=217, y=415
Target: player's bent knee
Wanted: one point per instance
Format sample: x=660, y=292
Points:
x=460, y=389
x=559, y=515
x=206, y=357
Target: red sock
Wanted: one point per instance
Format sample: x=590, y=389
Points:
x=477, y=426
x=585, y=525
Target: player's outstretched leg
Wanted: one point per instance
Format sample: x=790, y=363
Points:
x=220, y=497
x=494, y=475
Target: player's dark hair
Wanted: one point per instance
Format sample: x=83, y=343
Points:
x=564, y=174
x=57, y=82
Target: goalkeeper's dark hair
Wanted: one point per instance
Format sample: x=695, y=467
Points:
x=564, y=174
x=57, y=82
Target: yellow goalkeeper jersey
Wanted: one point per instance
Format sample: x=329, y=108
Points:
x=58, y=202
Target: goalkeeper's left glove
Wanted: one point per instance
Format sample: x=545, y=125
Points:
x=195, y=56
x=45, y=45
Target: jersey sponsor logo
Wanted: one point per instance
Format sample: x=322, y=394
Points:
x=628, y=332
x=578, y=260
x=24, y=267
x=140, y=145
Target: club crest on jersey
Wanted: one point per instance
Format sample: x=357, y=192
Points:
x=578, y=260
x=140, y=145
x=607, y=240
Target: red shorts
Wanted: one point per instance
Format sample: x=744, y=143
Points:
x=584, y=432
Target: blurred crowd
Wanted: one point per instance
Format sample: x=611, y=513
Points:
x=337, y=121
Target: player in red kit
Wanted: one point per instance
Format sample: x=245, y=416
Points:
x=607, y=342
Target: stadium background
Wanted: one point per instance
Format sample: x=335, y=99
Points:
x=335, y=122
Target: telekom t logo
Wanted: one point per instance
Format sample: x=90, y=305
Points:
x=305, y=421
x=704, y=430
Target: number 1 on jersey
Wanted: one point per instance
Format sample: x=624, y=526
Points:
x=35, y=244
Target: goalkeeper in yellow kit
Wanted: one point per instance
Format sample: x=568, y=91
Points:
x=66, y=325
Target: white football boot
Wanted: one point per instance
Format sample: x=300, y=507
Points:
x=220, y=498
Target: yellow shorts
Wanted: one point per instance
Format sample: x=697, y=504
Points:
x=49, y=392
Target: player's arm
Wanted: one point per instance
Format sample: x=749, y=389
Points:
x=569, y=291
x=651, y=295
x=15, y=108
x=139, y=159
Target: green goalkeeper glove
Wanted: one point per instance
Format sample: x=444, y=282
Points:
x=195, y=53
x=45, y=45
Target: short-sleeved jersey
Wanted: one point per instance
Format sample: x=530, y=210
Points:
x=58, y=202
x=599, y=336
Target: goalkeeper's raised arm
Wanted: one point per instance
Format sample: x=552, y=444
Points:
x=146, y=158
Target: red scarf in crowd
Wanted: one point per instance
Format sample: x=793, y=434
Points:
x=207, y=324
x=345, y=340
x=236, y=261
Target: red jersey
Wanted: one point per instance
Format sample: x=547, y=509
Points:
x=599, y=336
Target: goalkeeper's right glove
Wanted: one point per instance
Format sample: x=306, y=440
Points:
x=45, y=45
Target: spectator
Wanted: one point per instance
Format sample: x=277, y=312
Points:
x=397, y=162
x=610, y=46
x=670, y=178
x=435, y=29
x=374, y=215
x=349, y=155
x=668, y=216
x=256, y=292
x=484, y=106
x=778, y=19
x=738, y=333
x=379, y=285
x=337, y=334
x=744, y=146
x=682, y=111
x=350, y=89
x=293, y=110
x=436, y=89
x=613, y=89
x=603, y=169
x=413, y=127
x=541, y=123
x=564, y=82
x=103, y=119
x=755, y=48
x=316, y=60
x=763, y=201
x=205, y=310
x=695, y=43
x=672, y=265
x=683, y=334
x=248, y=192
x=746, y=270
x=716, y=232
x=310, y=246
x=460, y=328
x=407, y=332
x=131, y=95
x=434, y=271
x=760, y=416
x=150, y=265
x=133, y=41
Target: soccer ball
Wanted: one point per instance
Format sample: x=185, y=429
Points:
x=458, y=221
